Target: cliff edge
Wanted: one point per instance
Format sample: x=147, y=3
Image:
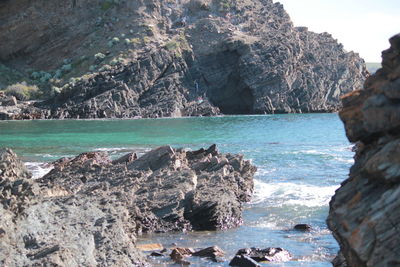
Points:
x=364, y=212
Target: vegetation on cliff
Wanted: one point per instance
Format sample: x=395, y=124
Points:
x=244, y=57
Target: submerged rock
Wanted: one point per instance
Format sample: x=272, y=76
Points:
x=363, y=214
x=302, y=227
x=88, y=210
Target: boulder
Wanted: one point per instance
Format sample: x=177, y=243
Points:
x=268, y=254
x=214, y=253
x=243, y=261
x=302, y=227
x=179, y=255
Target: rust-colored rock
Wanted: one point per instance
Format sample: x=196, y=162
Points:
x=364, y=212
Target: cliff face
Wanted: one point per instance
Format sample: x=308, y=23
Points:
x=242, y=57
x=364, y=213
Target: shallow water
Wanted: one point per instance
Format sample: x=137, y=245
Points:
x=301, y=160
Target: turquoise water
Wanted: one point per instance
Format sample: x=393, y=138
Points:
x=301, y=160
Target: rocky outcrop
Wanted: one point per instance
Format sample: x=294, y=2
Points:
x=89, y=209
x=190, y=58
x=364, y=213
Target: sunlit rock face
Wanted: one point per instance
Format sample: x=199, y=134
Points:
x=188, y=58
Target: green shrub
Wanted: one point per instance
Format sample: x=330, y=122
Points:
x=172, y=45
x=45, y=77
x=66, y=68
x=99, y=56
x=23, y=91
x=113, y=42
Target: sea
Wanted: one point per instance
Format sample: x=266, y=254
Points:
x=301, y=161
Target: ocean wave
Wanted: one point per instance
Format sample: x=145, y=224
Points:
x=292, y=194
x=38, y=169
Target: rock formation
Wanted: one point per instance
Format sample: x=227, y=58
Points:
x=89, y=209
x=364, y=213
x=180, y=58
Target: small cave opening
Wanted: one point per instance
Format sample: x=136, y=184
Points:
x=234, y=97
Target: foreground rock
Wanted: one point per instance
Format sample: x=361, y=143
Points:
x=180, y=58
x=364, y=213
x=88, y=210
x=267, y=255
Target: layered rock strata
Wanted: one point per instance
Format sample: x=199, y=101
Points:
x=190, y=58
x=364, y=213
x=89, y=209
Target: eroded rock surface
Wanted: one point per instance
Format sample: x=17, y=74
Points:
x=190, y=58
x=89, y=209
x=364, y=213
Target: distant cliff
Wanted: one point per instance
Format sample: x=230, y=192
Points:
x=364, y=213
x=149, y=58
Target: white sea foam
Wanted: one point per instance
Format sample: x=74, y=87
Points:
x=107, y=149
x=38, y=169
x=280, y=194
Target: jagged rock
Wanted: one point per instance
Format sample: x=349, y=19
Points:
x=243, y=261
x=363, y=214
x=218, y=59
x=11, y=167
x=179, y=255
x=268, y=254
x=7, y=100
x=88, y=210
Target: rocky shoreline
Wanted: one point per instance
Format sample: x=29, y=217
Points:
x=186, y=58
x=89, y=209
x=364, y=212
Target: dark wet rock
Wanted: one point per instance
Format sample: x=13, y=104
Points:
x=363, y=214
x=89, y=209
x=303, y=227
x=268, y=254
x=243, y=261
x=157, y=254
x=214, y=253
x=339, y=261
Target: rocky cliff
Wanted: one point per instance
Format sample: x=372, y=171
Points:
x=154, y=58
x=364, y=213
x=89, y=209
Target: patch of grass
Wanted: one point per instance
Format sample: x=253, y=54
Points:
x=23, y=91
x=172, y=45
x=224, y=5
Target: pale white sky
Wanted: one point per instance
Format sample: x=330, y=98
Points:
x=363, y=26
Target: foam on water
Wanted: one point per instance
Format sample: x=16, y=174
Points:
x=38, y=169
x=280, y=194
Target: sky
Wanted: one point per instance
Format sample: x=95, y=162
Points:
x=362, y=26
